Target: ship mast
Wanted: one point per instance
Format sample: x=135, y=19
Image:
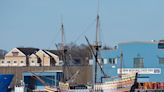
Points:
x=63, y=51
x=97, y=30
x=97, y=43
x=62, y=37
x=121, y=59
x=97, y=46
x=95, y=52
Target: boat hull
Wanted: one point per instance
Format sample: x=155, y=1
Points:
x=119, y=85
x=5, y=80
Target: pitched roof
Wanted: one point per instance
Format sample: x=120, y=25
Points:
x=2, y=53
x=56, y=52
x=46, y=53
x=28, y=51
x=1, y=57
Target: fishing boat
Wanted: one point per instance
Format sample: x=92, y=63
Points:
x=5, y=80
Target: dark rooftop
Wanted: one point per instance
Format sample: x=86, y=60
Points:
x=28, y=51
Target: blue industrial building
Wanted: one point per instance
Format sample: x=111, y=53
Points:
x=38, y=80
x=147, y=58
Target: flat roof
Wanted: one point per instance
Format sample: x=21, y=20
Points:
x=146, y=42
x=42, y=73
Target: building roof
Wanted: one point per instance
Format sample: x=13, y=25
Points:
x=28, y=51
x=2, y=53
x=46, y=53
x=56, y=52
x=144, y=42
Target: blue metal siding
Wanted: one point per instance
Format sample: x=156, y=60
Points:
x=50, y=78
x=148, y=51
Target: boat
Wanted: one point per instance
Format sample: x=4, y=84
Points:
x=5, y=80
x=50, y=89
x=125, y=84
x=64, y=84
x=121, y=83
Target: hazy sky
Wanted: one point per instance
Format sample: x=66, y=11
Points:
x=36, y=23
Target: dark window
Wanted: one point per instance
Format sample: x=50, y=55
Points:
x=2, y=62
x=101, y=60
x=161, y=60
x=21, y=61
x=32, y=61
x=15, y=53
x=161, y=45
x=15, y=61
x=8, y=61
x=112, y=61
x=138, y=62
x=77, y=61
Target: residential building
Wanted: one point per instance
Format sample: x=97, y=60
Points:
x=18, y=57
x=54, y=57
x=47, y=58
x=34, y=60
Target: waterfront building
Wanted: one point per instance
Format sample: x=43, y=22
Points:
x=19, y=57
x=146, y=58
x=38, y=80
x=47, y=58
x=34, y=60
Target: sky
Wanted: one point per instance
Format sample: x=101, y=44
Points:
x=36, y=23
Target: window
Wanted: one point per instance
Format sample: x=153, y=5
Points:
x=112, y=61
x=15, y=61
x=32, y=61
x=161, y=44
x=2, y=61
x=161, y=60
x=77, y=61
x=15, y=53
x=105, y=61
x=138, y=62
x=8, y=61
x=21, y=61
